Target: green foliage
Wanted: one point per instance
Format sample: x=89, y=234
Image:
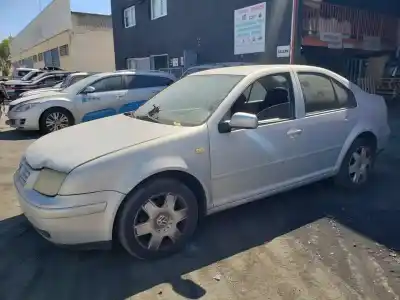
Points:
x=5, y=63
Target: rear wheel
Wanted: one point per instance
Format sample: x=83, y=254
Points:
x=357, y=164
x=55, y=119
x=158, y=219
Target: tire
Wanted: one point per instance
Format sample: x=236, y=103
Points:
x=146, y=218
x=63, y=116
x=351, y=168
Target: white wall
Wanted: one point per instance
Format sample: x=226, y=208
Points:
x=55, y=18
x=92, y=44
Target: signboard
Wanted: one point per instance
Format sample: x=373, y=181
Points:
x=249, y=29
x=334, y=39
x=283, y=51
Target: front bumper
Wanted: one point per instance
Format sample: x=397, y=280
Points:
x=27, y=120
x=62, y=221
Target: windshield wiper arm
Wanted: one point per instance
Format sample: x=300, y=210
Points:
x=154, y=110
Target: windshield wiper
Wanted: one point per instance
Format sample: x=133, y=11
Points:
x=154, y=110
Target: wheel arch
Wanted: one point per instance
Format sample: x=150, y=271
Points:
x=188, y=179
x=59, y=108
x=364, y=134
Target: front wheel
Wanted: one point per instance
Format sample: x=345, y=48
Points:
x=357, y=164
x=158, y=219
x=55, y=119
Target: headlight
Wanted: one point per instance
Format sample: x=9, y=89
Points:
x=49, y=182
x=24, y=107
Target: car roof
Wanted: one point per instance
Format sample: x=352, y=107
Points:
x=249, y=69
x=26, y=69
x=140, y=72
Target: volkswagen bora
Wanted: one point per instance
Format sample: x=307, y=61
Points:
x=213, y=140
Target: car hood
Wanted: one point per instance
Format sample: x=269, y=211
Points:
x=44, y=95
x=41, y=91
x=71, y=147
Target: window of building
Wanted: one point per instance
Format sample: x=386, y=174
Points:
x=129, y=17
x=64, y=50
x=147, y=81
x=40, y=57
x=158, y=8
x=112, y=83
x=322, y=93
x=270, y=98
x=35, y=58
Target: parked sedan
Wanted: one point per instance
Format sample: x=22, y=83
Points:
x=94, y=97
x=44, y=80
x=69, y=80
x=213, y=140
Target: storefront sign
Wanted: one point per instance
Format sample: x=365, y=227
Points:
x=249, y=29
x=334, y=39
x=283, y=51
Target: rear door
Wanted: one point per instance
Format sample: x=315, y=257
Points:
x=140, y=88
x=104, y=101
x=327, y=120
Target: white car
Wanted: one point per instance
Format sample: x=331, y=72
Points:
x=69, y=80
x=94, y=97
x=211, y=141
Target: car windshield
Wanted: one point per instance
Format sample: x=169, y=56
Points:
x=190, y=101
x=78, y=86
x=29, y=76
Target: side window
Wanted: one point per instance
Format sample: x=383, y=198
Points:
x=48, y=80
x=22, y=73
x=113, y=83
x=146, y=81
x=75, y=79
x=270, y=98
x=344, y=96
x=318, y=93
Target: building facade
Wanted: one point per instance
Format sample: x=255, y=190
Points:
x=356, y=38
x=71, y=40
x=160, y=34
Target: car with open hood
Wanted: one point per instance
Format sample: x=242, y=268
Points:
x=212, y=140
x=91, y=98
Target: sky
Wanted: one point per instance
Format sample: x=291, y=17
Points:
x=16, y=14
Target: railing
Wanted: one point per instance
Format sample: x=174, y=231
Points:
x=350, y=22
x=386, y=87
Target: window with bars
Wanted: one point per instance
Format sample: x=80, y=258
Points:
x=40, y=57
x=64, y=50
x=129, y=17
x=158, y=8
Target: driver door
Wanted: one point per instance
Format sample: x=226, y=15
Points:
x=249, y=163
x=103, y=102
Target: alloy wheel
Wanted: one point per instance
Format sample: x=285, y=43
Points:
x=360, y=164
x=56, y=121
x=160, y=221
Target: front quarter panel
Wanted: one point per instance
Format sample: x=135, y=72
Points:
x=123, y=170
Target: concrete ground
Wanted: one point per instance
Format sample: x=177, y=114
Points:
x=316, y=242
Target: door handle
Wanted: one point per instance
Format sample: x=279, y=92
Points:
x=294, y=132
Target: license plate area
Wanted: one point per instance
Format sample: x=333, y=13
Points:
x=23, y=173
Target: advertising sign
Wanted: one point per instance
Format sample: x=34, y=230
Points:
x=249, y=29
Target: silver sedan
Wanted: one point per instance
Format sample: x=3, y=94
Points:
x=211, y=141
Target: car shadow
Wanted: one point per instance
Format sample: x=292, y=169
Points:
x=16, y=135
x=36, y=269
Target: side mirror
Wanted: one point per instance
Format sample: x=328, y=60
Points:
x=239, y=120
x=88, y=90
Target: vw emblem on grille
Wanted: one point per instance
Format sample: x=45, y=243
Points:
x=162, y=220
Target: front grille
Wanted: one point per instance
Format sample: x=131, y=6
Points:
x=24, y=172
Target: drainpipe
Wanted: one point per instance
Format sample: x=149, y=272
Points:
x=293, y=35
